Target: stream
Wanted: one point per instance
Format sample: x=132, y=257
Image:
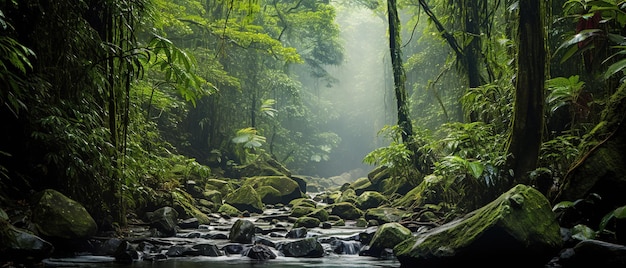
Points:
x=217, y=232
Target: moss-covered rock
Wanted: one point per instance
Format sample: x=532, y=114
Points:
x=348, y=195
x=307, y=222
x=300, y=211
x=269, y=195
x=385, y=214
x=287, y=188
x=302, y=202
x=370, y=199
x=245, y=198
x=186, y=208
x=518, y=225
x=388, y=235
x=224, y=187
x=361, y=185
x=320, y=214
x=229, y=210
x=345, y=211
x=214, y=196
x=422, y=193
x=57, y=216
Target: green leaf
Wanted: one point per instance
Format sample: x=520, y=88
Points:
x=579, y=37
x=476, y=169
x=582, y=232
x=614, y=68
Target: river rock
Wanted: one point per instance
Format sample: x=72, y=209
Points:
x=18, y=245
x=385, y=214
x=165, y=220
x=308, y=247
x=593, y=253
x=210, y=250
x=345, y=211
x=57, y=216
x=242, y=232
x=308, y=222
x=370, y=199
x=345, y=247
x=519, y=226
x=245, y=198
x=258, y=252
x=284, y=188
x=297, y=232
x=388, y=236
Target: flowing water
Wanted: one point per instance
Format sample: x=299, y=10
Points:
x=346, y=234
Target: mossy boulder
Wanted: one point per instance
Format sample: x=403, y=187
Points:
x=348, y=195
x=186, y=207
x=370, y=199
x=320, y=214
x=345, y=210
x=214, y=196
x=388, y=235
x=385, y=214
x=287, y=188
x=57, y=216
x=361, y=185
x=229, y=210
x=245, y=198
x=302, y=202
x=269, y=195
x=307, y=222
x=224, y=187
x=423, y=193
x=519, y=225
x=300, y=211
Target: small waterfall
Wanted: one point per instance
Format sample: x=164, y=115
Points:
x=346, y=247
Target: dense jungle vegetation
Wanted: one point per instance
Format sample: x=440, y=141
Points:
x=109, y=101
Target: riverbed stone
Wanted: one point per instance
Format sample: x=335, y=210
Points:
x=385, y=214
x=388, y=236
x=228, y=210
x=258, y=252
x=308, y=247
x=287, y=188
x=164, y=220
x=519, y=225
x=345, y=211
x=19, y=245
x=57, y=216
x=242, y=232
x=370, y=199
x=308, y=222
x=320, y=214
x=245, y=198
x=300, y=211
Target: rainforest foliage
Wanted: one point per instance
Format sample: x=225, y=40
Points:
x=111, y=100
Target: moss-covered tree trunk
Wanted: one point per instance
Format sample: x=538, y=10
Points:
x=525, y=139
x=399, y=75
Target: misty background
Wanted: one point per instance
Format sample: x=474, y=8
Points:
x=362, y=94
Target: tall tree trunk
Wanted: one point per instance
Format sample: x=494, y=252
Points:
x=399, y=76
x=472, y=51
x=525, y=140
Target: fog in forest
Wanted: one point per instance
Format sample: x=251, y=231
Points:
x=362, y=96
